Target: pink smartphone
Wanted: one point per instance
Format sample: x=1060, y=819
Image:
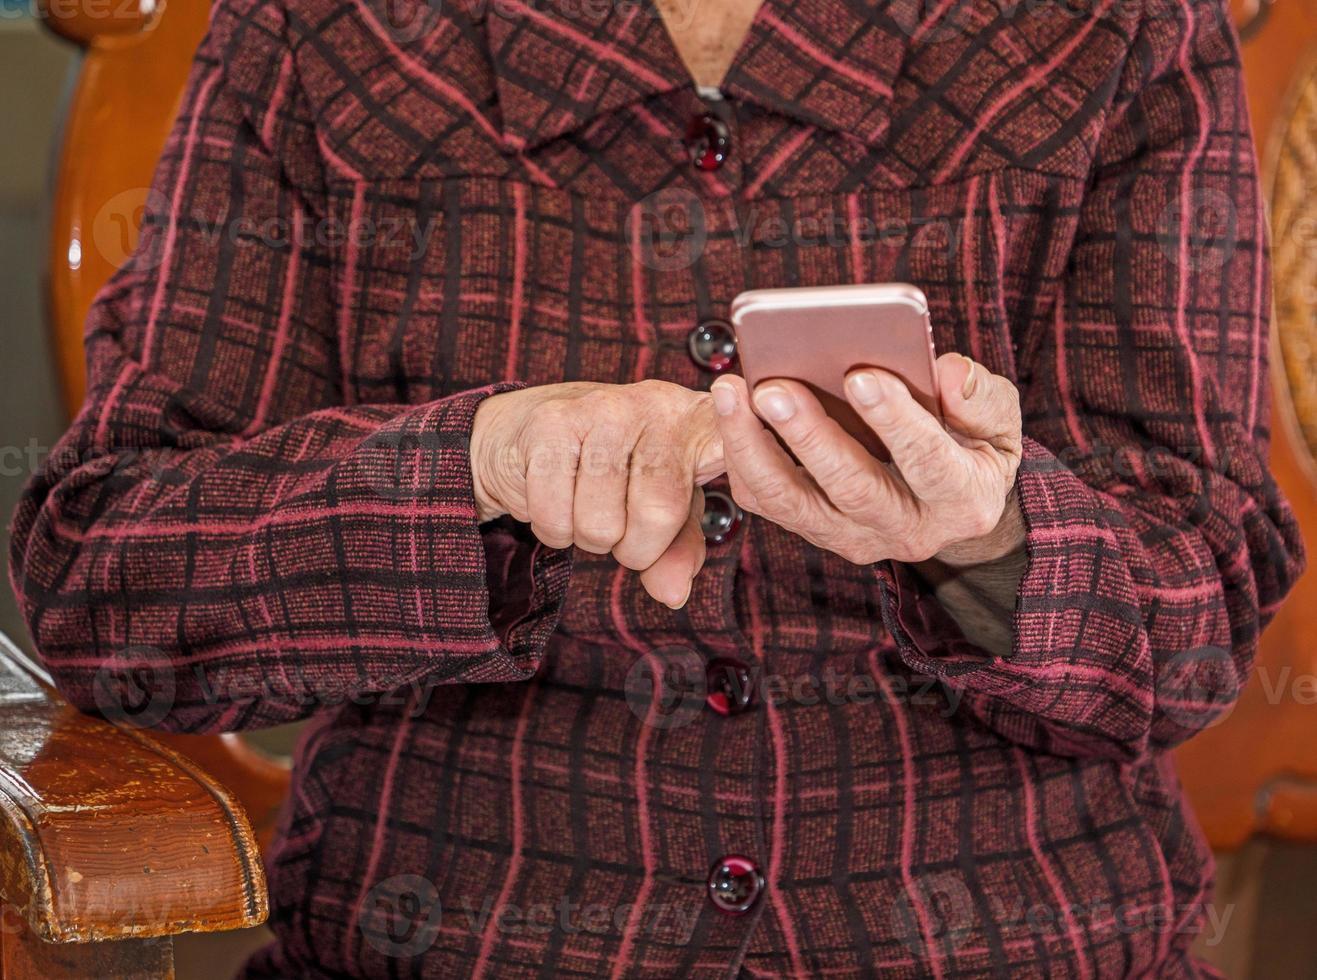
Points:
x=815, y=335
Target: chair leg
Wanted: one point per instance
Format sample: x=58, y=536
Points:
x=23, y=956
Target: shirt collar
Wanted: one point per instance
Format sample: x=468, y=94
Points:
x=560, y=64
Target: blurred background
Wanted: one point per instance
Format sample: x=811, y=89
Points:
x=1253, y=778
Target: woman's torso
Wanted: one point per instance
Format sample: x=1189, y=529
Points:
x=898, y=836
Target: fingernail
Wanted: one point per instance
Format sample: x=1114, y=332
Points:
x=865, y=388
x=724, y=399
x=971, y=381
x=682, y=601
x=774, y=403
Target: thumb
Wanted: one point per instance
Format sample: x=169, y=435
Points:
x=976, y=402
x=669, y=579
x=706, y=441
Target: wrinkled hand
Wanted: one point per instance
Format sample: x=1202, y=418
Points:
x=947, y=494
x=607, y=468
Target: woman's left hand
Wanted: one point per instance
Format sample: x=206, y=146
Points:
x=947, y=494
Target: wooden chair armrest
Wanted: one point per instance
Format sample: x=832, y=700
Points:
x=105, y=833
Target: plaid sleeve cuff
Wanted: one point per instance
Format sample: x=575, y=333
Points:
x=1079, y=663
x=492, y=593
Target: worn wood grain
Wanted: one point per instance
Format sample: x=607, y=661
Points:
x=105, y=833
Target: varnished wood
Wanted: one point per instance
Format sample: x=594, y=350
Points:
x=23, y=956
x=119, y=113
x=91, y=21
x=259, y=782
x=1256, y=772
x=107, y=834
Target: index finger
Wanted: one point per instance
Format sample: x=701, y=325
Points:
x=930, y=461
x=857, y=484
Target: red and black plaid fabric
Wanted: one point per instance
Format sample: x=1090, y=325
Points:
x=372, y=215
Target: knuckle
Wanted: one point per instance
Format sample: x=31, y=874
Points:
x=852, y=552
x=553, y=532
x=1012, y=398
x=808, y=437
x=905, y=528
x=554, y=457
x=770, y=491
x=852, y=493
x=657, y=512
x=780, y=502
x=552, y=417
x=741, y=494
x=739, y=444
x=916, y=549
x=742, y=440
x=864, y=554
x=599, y=535
x=652, y=390
x=603, y=459
x=631, y=556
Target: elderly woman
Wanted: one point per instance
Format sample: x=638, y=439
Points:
x=418, y=411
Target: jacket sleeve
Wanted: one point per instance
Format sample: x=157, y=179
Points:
x=223, y=540
x=1158, y=545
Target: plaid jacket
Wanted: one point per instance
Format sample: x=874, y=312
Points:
x=370, y=216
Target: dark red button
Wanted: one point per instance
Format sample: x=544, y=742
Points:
x=721, y=517
x=712, y=345
x=728, y=686
x=709, y=141
x=735, y=884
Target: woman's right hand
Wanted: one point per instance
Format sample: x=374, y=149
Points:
x=607, y=468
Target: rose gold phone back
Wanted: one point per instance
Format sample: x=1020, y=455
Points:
x=816, y=335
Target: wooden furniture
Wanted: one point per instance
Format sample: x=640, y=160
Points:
x=111, y=840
